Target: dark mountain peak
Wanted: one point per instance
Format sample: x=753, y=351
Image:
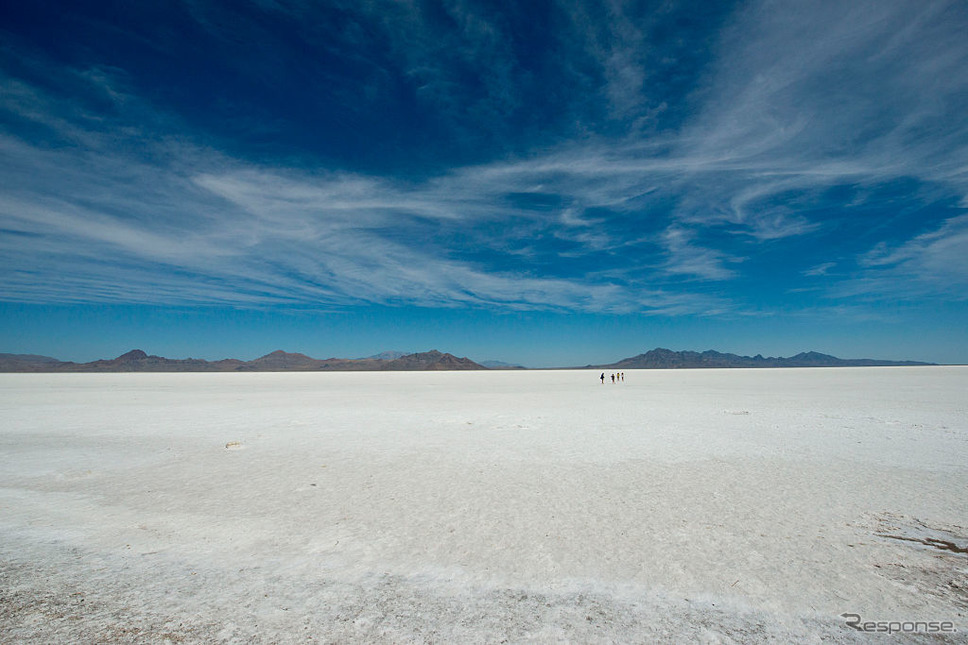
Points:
x=814, y=356
x=281, y=361
x=133, y=355
x=433, y=360
x=281, y=354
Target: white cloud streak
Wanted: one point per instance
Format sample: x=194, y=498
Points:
x=931, y=264
x=244, y=235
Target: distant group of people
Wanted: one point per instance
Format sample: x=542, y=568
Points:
x=616, y=377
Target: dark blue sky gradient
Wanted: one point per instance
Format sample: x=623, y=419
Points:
x=546, y=182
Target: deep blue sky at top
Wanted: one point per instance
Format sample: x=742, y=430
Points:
x=540, y=182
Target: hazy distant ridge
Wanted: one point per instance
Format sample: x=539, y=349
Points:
x=277, y=361
x=661, y=358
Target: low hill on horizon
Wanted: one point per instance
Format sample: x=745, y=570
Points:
x=501, y=365
x=25, y=362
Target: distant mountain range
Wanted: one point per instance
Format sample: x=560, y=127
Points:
x=660, y=358
x=390, y=355
x=280, y=361
x=501, y=365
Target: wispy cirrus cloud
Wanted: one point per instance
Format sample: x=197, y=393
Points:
x=207, y=228
x=934, y=263
x=820, y=269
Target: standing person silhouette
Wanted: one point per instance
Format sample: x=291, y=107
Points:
x=613, y=378
x=603, y=378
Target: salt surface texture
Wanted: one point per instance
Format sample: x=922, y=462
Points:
x=678, y=506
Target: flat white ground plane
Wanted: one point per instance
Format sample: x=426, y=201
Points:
x=543, y=506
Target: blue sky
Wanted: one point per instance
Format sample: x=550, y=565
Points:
x=554, y=183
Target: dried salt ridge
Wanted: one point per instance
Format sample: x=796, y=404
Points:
x=738, y=506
